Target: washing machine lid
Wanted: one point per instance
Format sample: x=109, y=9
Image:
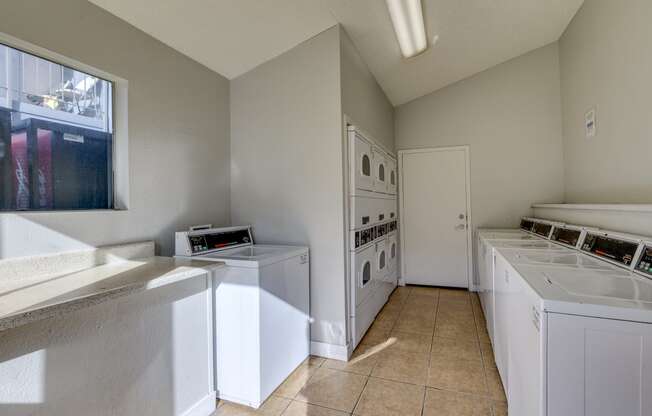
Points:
x=501, y=235
x=534, y=244
x=597, y=293
x=254, y=256
x=556, y=258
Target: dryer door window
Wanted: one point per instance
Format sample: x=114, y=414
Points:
x=366, y=273
x=365, y=165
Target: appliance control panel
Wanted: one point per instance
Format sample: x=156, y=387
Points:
x=212, y=240
x=368, y=235
x=645, y=263
x=566, y=236
x=526, y=224
x=542, y=229
x=614, y=249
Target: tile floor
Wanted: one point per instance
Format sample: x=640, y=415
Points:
x=426, y=354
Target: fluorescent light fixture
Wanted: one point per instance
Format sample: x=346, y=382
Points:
x=407, y=18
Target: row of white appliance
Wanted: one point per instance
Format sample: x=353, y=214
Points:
x=569, y=314
x=261, y=309
x=373, y=223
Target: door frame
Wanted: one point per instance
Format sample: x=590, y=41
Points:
x=469, y=219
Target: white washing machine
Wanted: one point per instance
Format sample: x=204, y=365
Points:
x=574, y=334
x=261, y=307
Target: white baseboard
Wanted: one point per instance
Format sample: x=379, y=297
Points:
x=204, y=407
x=335, y=352
x=239, y=400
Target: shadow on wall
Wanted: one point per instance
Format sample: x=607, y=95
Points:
x=43, y=233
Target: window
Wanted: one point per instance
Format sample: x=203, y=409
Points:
x=56, y=135
x=381, y=260
x=381, y=172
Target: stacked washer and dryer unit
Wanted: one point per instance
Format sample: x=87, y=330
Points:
x=373, y=229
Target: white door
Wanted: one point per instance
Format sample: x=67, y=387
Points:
x=435, y=239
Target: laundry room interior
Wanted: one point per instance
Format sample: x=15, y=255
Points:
x=325, y=208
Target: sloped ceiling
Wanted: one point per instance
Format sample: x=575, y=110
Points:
x=234, y=36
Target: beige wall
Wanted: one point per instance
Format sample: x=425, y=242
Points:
x=606, y=63
x=286, y=166
x=510, y=117
x=363, y=101
x=178, y=132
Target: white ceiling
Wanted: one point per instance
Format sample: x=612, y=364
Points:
x=234, y=36
x=474, y=35
x=229, y=36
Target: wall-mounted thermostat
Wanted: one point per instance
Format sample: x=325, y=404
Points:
x=589, y=123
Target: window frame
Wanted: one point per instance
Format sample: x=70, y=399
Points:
x=119, y=121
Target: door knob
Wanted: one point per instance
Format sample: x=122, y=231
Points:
x=461, y=216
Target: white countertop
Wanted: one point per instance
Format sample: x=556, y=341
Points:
x=25, y=299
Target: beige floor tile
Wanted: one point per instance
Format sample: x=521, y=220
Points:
x=402, y=366
x=415, y=323
x=389, y=313
x=389, y=398
x=424, y=311
x=455, y=294
x=376, y=334
x=448, y=403
x=483, y=335
x=273, y=406
x=396, y=302
x=307, y=409
x=500, y=409
x=495, y=386
x=457, y=375
x=334, y=389
x=298, y=378
x=455, y=349
x=421, y=300
x=455, y=305
x=362, y=361
x=386, y=321
x=487, y=355
x=425, y=290
x=400, y=293
x=456, y=331
x=314, y=361
x=445, y=317
x=411, y=341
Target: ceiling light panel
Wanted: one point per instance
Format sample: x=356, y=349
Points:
x=407, y=18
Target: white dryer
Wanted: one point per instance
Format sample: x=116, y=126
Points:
x=261, y=307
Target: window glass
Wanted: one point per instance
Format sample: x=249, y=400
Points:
x=392, y=178
x=393, y=250
x=56, y=135
x=366, y=165
x=381, y=260
x=381, y=172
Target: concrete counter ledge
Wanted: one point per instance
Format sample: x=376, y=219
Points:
x=106, y=331
x=30, y=300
